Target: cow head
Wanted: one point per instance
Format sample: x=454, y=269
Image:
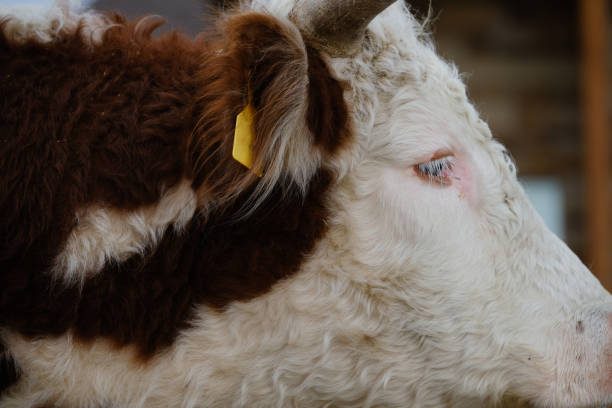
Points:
x=469, y=296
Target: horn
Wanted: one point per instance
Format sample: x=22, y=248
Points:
x=337, y=26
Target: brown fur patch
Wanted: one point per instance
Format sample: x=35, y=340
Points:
x=327, y=116
x=85, y=126
x=111, y=125
x=147, y=299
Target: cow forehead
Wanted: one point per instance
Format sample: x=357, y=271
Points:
x=405, y=98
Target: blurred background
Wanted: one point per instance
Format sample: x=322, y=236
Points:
x=539, y=73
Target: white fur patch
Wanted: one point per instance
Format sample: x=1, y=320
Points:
x=275, y=351
x=107, y=235
x=48, y=21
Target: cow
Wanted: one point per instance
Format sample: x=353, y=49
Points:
x=299, y=207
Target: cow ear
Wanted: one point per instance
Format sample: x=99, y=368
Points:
x=299, y=114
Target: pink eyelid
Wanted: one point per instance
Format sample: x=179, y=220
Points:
x=446, y=177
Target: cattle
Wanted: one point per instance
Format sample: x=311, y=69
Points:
x=297, y=208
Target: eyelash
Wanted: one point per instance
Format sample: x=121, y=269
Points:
x=437, y=170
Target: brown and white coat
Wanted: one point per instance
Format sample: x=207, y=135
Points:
x=142, y=266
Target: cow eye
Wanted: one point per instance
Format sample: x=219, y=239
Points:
x=437, y=170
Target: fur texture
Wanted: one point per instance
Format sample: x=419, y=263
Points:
x=107, y=235
x=148, y=298
x=82, y=127
x=345, y=277
x=96, y=145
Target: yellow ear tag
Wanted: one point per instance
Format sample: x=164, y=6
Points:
x=243, y=138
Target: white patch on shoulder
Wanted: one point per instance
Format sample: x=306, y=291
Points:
x=278, y=350
x=63, y=371
x=48, y=21
x=105, y=234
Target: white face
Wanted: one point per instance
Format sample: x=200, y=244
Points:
x=480, y=288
